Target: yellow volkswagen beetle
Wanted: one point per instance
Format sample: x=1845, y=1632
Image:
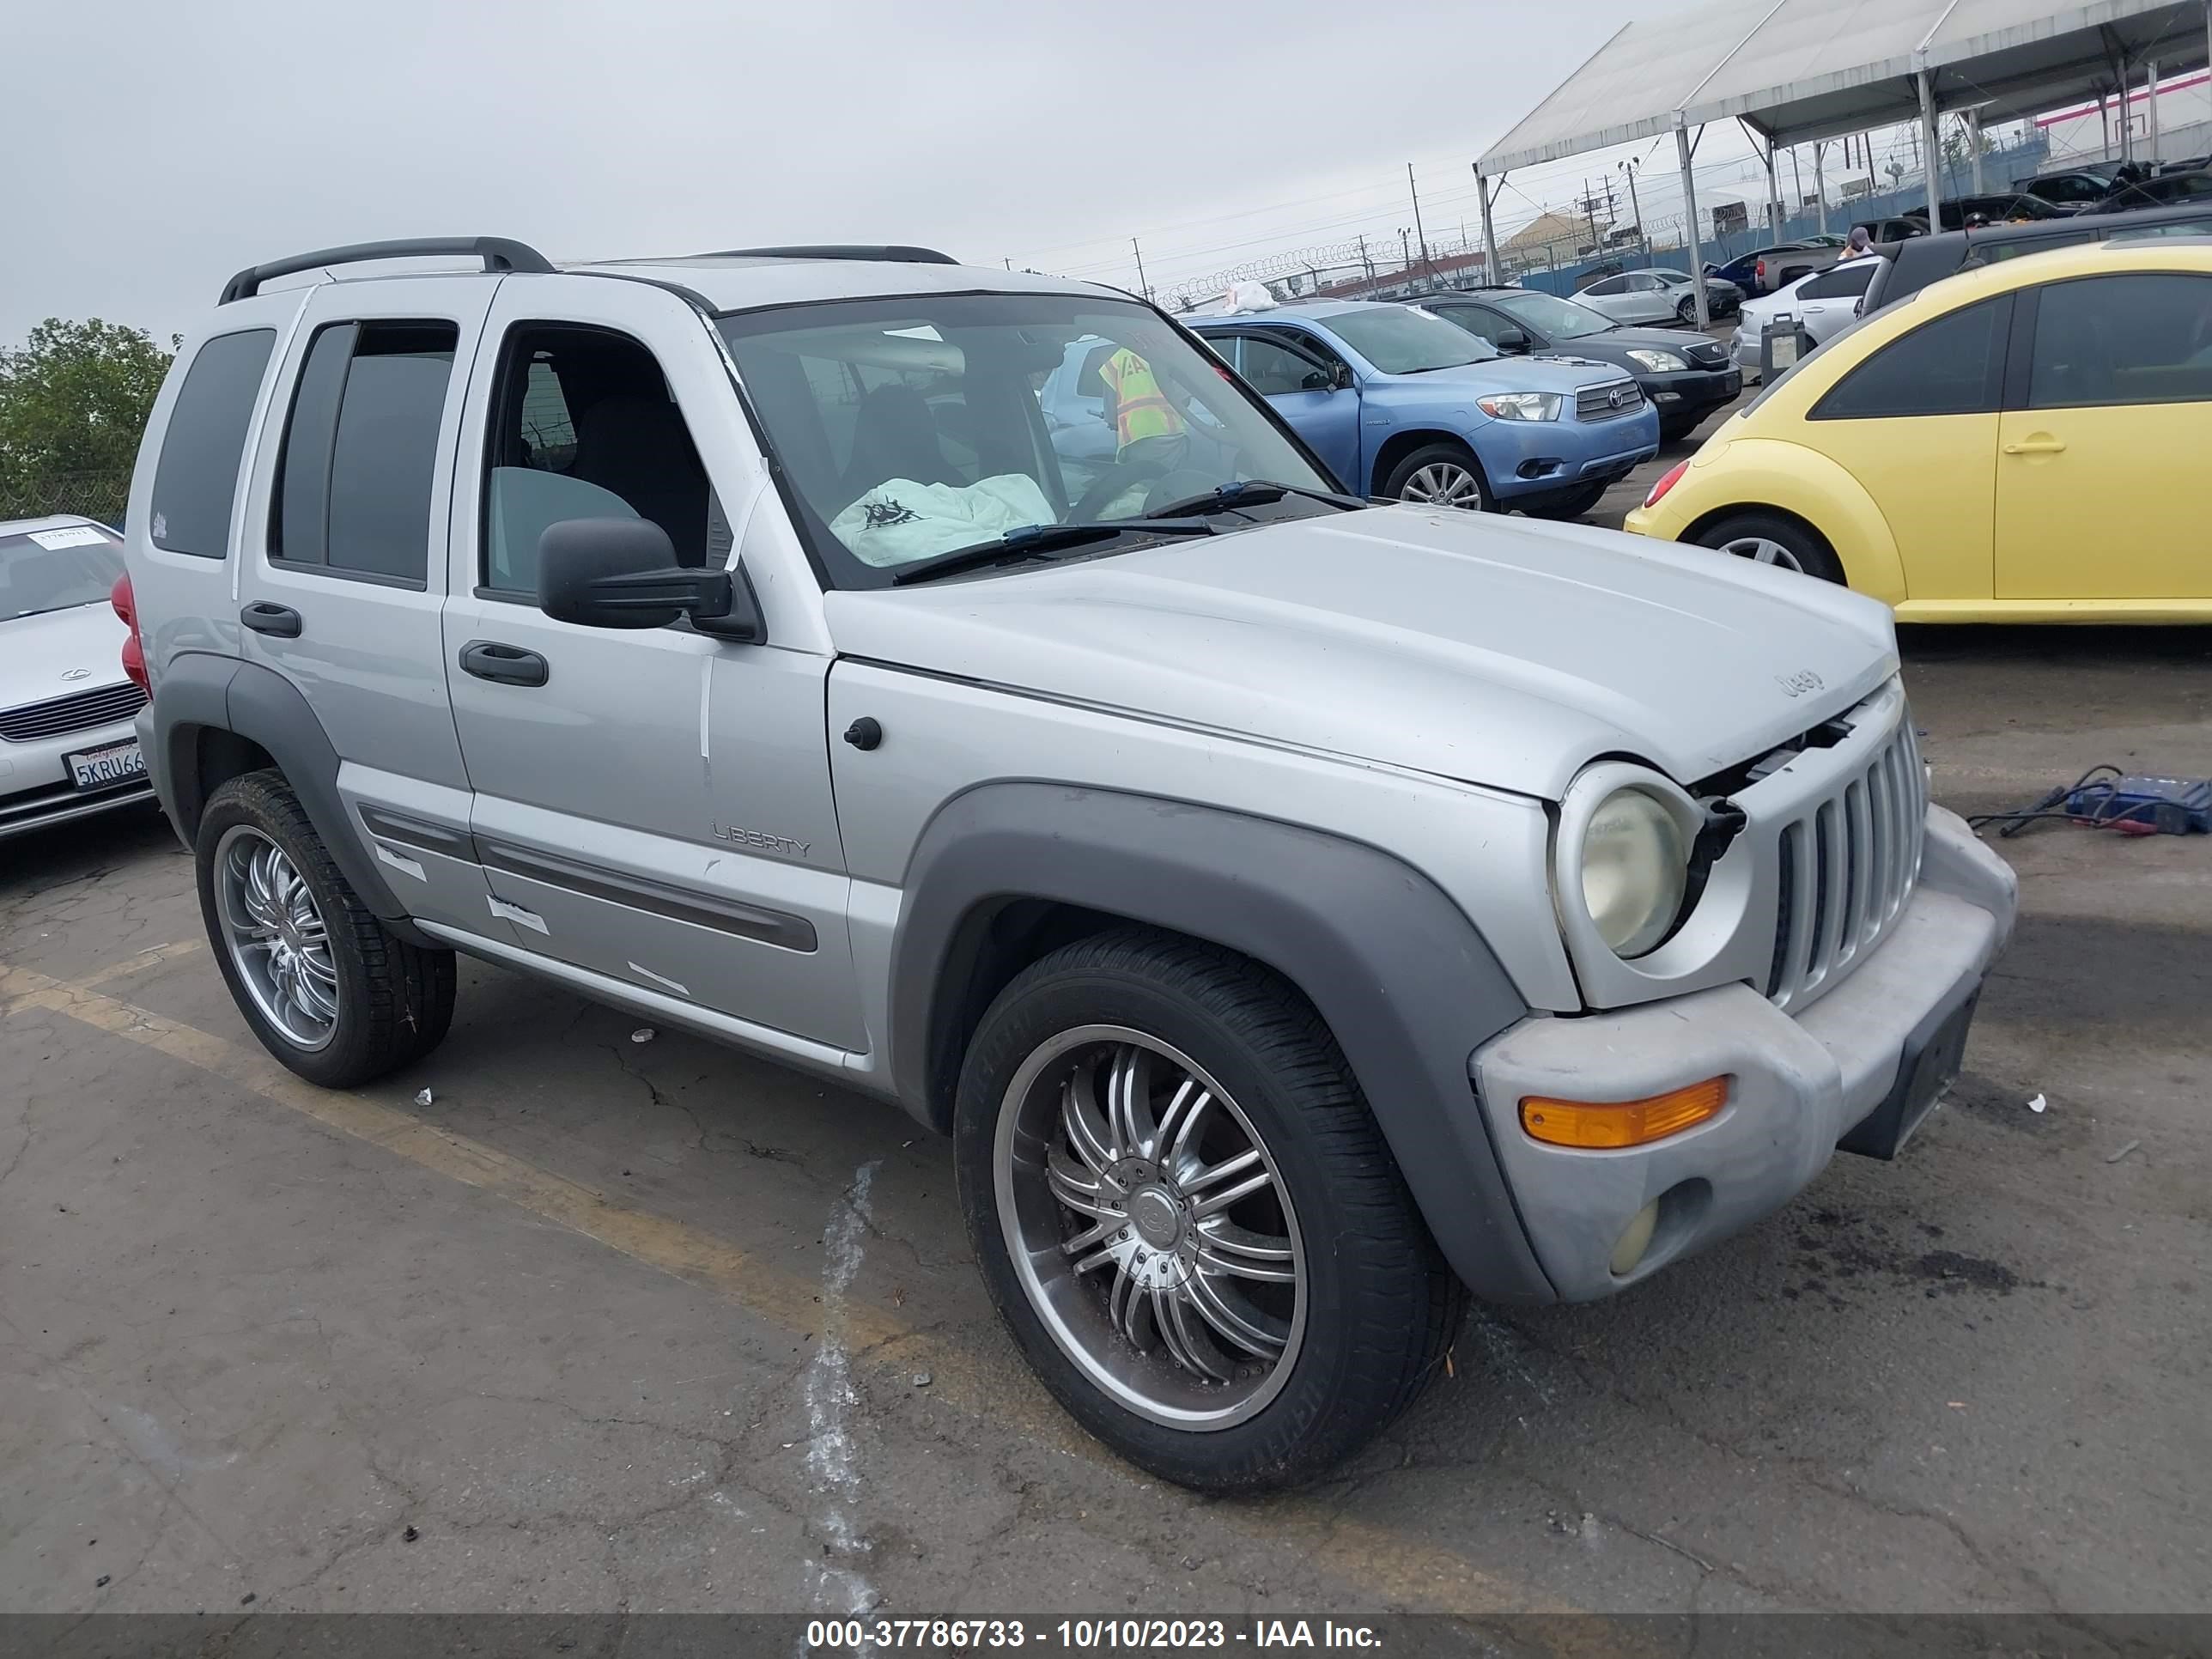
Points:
x=2030, y=441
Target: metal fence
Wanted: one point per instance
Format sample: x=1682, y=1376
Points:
x=97, y=495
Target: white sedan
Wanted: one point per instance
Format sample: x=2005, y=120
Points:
x=1824, y=302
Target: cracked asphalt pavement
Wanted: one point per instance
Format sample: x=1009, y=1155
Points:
x=555, y=1340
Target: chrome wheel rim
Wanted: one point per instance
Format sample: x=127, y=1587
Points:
x=1444, y=483
x=1150, y=1228
x=1759, y=549
x=277, y=937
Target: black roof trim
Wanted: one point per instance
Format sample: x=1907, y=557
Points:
x=497, y=253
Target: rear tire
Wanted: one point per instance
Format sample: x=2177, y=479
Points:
x=1772, y=538
x=1234, y=1078
x=325, y=985
x=1440, y=475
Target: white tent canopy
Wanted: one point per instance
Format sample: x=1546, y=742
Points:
x=1797, y=70
x=1801, y=70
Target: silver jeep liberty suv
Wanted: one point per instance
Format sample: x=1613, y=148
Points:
x=957, y=684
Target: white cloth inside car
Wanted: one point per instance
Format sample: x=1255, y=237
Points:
x=900, y=520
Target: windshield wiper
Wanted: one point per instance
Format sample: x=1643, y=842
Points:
x=1036, y=540
x=1248, y=492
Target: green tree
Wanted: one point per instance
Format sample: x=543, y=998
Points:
x=73, y=399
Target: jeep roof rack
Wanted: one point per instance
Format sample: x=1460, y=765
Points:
x=889, y=253
x=497, y=253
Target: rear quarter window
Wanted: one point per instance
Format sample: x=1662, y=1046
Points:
x=195, y=480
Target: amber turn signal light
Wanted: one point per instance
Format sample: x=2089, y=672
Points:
x=1614, y=1123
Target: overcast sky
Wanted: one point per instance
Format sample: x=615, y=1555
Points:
x=160, y=146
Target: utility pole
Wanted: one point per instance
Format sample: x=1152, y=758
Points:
x=1406, y=251
x=1416, y=194
x=1797, y=183
x=1368, y=264
x=1143, y=287
x=1820, y=185
x=1642, y=240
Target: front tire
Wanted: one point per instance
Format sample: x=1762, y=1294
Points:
x=1439, y=475
x=1572, y=505
x=1187, y=1217
x=1686, y=312
x=1772, y=538
x=327, y=989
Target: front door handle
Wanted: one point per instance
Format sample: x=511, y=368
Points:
x=510, y=664
x=2041, y=444
x=280, y=620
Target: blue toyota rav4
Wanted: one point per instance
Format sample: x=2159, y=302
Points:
x=1403, y=404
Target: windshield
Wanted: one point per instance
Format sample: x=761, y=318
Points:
x=43, y=570
x=910, y=427
x=1552, y=317
x=1398, y=340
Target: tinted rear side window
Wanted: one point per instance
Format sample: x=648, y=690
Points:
x=2144, y=337
x=196, y=481
x=1952, y=366
x=353, y=487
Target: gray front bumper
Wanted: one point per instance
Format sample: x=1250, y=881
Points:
x=1800, y=1084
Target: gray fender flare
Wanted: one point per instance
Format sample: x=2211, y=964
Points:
x=1407, y=985
x=199, y=691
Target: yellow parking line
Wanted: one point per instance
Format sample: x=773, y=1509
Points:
x=1395, y=1567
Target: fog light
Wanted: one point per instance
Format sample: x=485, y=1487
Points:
x=1617, y=1123
x=1635, y=1240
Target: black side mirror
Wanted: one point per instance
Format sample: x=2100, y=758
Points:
x=1340, y=377
x=1513, y=339
x=622, y=572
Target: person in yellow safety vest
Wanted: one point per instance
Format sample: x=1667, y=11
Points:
x=1141, y=409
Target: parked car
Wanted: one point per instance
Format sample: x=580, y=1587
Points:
x=2074, y=191
x=1894, y=228
x=1399, y=403
x=1910, y=266
x=1216, y=879
x=1823, y=303
x=1958, y=454
x=1758, y=272
x=2007, y=208
x=1657, y=296
x=1684, y=377
x=2188, y=164
x=67, y=747
x=2168, y=190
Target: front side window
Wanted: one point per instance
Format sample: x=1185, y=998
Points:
x=1272, y=367
x=903, y=429
x=1612, y=285
x=2142, y=338
x=583, y=426
x=1951, y=365
x=57, y=569
x=360, y=447
x=196, y=481
x=1401, y=340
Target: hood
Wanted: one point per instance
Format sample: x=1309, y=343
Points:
x=1643, y=339
x=1545, y=373
x=35, y=651
x=1497, y=651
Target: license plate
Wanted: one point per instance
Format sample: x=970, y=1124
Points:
x=1931, y=1073
x=96, y=768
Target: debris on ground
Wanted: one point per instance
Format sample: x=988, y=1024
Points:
x=410, y=1535
x=423, y=1096
x=922, y=1379
x=643, y=1034
x=2123, y=1152
x=2037, y=1104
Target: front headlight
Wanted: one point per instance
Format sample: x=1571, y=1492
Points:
x=1520, y=405
x=1635, y=871
x=1660, y=363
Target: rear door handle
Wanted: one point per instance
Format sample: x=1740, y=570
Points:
x=2035, y=446
x=263, y=617
x=510, y=664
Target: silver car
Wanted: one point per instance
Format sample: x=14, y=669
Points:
x=68, y=748
x=1657, y=296
x=1297, y=912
